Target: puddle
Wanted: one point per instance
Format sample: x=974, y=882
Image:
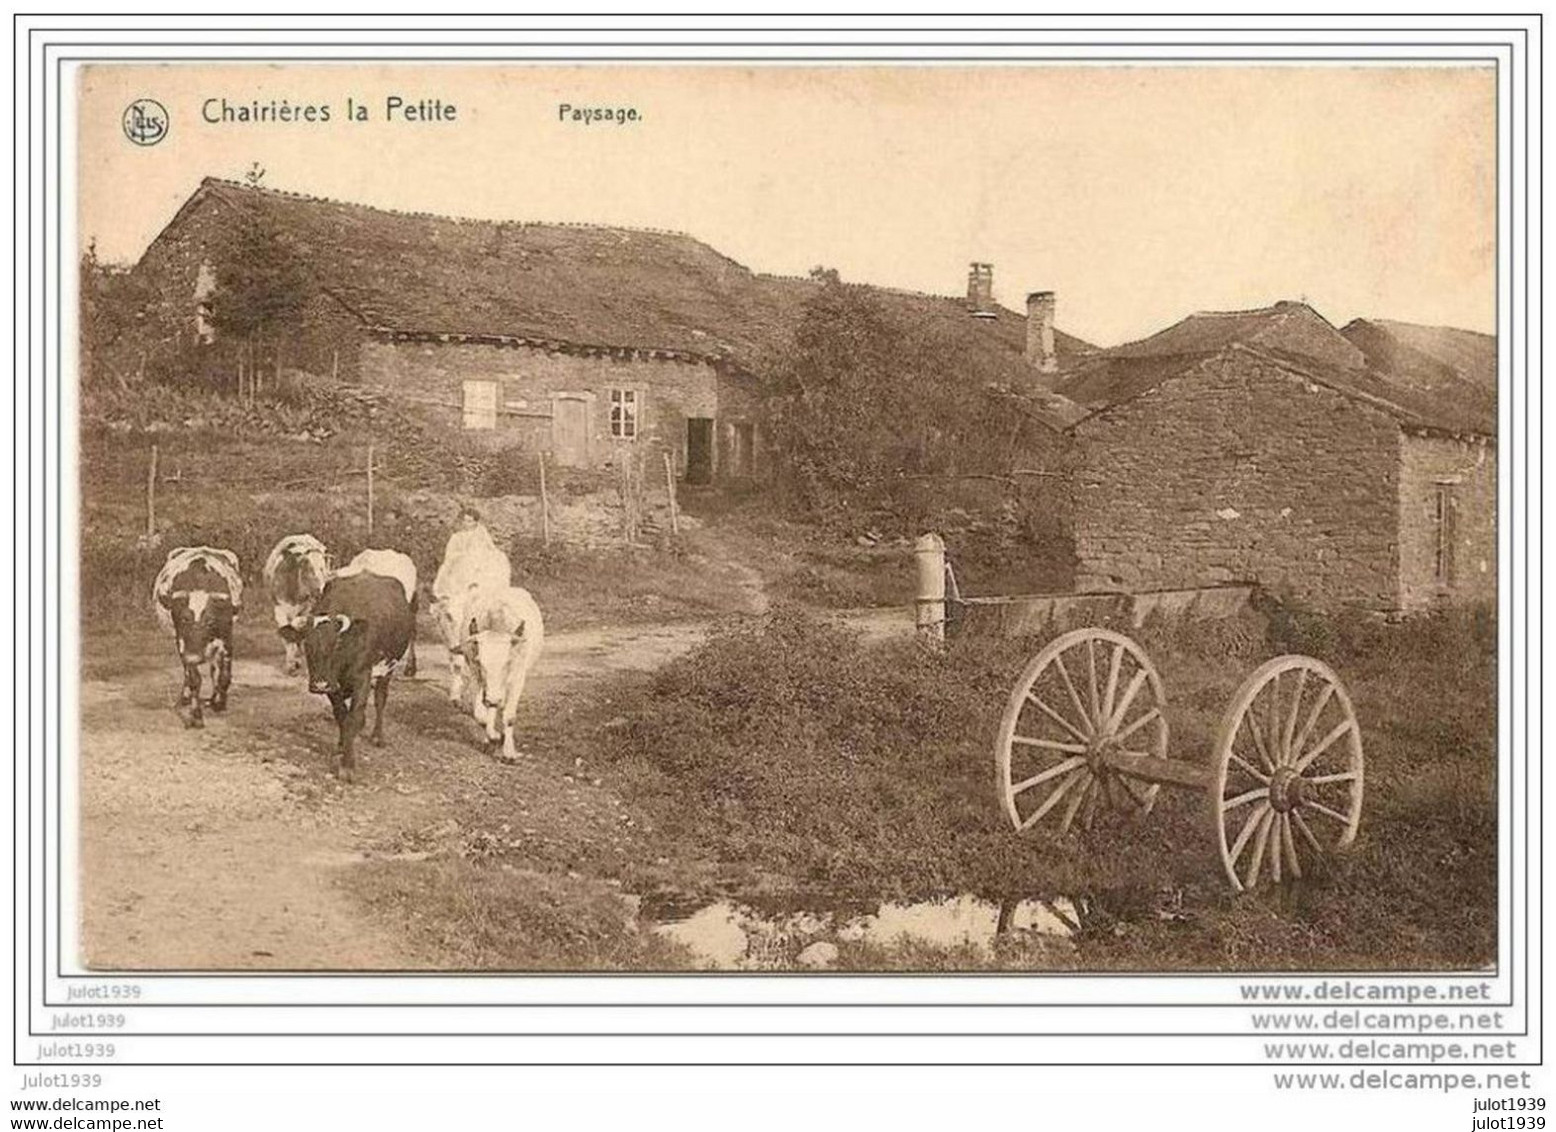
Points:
x=731, y=936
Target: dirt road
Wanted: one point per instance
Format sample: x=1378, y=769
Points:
x=224, y=849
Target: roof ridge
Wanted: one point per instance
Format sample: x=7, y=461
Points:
x=266, y=190
x=882, y=287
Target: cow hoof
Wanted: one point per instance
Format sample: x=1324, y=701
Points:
x=218, y=705
x=194, y=721
x=376, y=740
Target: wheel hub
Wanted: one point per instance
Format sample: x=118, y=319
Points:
x=1286, y=789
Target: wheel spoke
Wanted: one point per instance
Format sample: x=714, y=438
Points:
x=1307, y=834
x=1128, y=786
x=1154, y=713
x=1229, y=804
x=1057, y=718
x=1075, y=697
x=1098, y=785
x=1272, y=718
x=1053, y=799
x=1277, y=827
x=1251, y=718
x=1131, y=690
x=1291, y=845
x=1052, y=772
x=1291, y=719
x=1313, y=716
x=1347, y=776
x=1091, y=672
x=1049, y=744
x=1339, y=729
x=1236, y=758
x=1076, y=798
x=1111, y=688
x=1251, y=877
x=1247, y=831
x=1323, y=809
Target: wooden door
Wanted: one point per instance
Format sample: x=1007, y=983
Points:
x=570, y=431
x=699, y=449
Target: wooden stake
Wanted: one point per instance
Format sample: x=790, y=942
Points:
x=370, y=489
x=675, y=517
x=151, y=494
x=545, y=503
x=626, y=498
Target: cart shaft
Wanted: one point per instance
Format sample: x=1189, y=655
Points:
x=1148, y=768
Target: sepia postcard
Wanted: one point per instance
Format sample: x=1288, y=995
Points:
x=725, y=518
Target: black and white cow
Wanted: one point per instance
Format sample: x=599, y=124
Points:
x=295, y=574
x=390, y=564
x=361, y=629
x=197, y=595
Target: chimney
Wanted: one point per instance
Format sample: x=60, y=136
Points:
x=980, y=291
x=1040, y=332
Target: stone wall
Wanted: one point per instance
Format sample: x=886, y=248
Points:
x=1465, y=471
x=1241, y=472
x=531, y=383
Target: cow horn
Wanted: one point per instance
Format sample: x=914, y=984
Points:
x=321, y=618
x=345, y=622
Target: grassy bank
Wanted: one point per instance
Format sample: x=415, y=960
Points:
x=796, y=757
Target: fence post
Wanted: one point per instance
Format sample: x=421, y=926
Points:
x=545, y=501
x=151, y=495
x=675, y=515
x=929, y=553
x=370, y=489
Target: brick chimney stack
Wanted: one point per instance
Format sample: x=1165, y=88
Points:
x=1040, y=332
x=980, y=291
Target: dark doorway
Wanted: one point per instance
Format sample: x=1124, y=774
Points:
x=699, y=449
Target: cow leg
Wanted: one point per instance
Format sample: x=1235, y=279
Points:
x=514, y=693
x=410, y=649
x=294, y=658
x=222, y=680
x=191, y=695
x=380, y=697
x=456, y=678
x=340, y=705
x=356, y=717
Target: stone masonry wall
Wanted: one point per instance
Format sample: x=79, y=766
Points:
x=432, y=374
x=1241, y=472
x=1468, y=469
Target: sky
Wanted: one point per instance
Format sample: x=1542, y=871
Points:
x=1137, y=194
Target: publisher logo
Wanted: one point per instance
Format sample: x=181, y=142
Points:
x=145, y=121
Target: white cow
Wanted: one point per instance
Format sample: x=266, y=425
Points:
x=471, y=563
x=503, y=637
x=295, y=574
x=390, y=564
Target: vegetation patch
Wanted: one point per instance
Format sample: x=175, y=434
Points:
x=788, y=748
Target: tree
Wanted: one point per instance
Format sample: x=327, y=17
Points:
x=867, y=396
x=113, y=301
x=261, y=288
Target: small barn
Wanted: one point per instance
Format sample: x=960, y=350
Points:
x=1335, y=469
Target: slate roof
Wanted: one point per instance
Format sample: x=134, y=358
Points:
x=1420, y=395
x=594, y=286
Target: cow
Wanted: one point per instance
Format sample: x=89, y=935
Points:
x=390, y=564
x=471, y=562
x=197, y=595
x=361, y=629
x=295, y=574
x=503, y=636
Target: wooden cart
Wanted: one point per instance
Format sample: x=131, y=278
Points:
x=1086, y=728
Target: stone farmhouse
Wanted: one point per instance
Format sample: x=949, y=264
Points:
x=578, y=340
x=1350, y=468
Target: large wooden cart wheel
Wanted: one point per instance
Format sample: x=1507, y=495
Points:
x=1088, y=694
x=1287, y=788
